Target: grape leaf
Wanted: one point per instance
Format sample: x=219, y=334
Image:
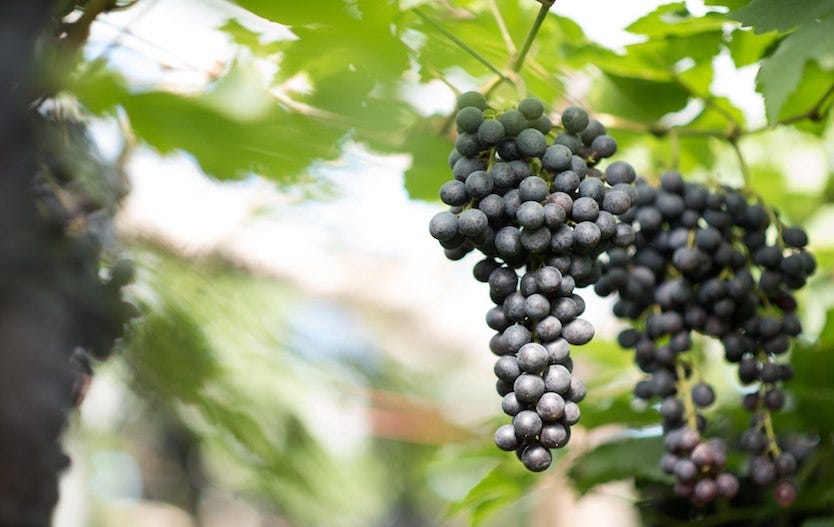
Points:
x=748, y=47
x=781, y=73
x=813, y=363
x=243, y=36
x=272, y=141
x=782, y=15
x=731, y=4
x=675, y=19
x=429, y=166
x=716, y=115
x=505, y=484
x=299, y=13
x=637, y=99
x=617, y=460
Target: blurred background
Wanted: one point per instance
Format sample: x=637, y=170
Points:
x=307, y=356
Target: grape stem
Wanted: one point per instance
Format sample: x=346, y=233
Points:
x=517, y=60
x=686, y=396
x=771, y=435
x=745, y=170
x=531, y=35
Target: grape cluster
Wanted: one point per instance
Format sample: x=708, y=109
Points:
x=540, y=213
x=59, y=304
x=717, y=262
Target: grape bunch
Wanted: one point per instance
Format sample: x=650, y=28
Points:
x=540, y=213
x=718, y=262
x=60, y=288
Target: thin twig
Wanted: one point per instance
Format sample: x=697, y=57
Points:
x=814, y=114
x=531, y=35
x=458, y=42
x=745, y=170
x=502, y=27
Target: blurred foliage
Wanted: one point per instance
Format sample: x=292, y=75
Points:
x=218, y=352
x=363, y=70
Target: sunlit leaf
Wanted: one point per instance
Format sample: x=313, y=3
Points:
x=243, y=36
x=675, y=19
x=748, y=47
x=782, y=72
x=637, y=99
x=625, y=458
x=505, y=484
x=429, y=165
x=781, y=15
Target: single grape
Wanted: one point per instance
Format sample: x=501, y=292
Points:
x=536, y=458
x=532, y=358
x=527, y=424
x=513, y=121
x=490, y=132
x=529, y=387
x=551, y=406
x=443, y=226
x=531, y=108
x=554, y=435
x=468, y=119
x=575, y=119
x=505, y=438
x=530, y=142
x=557, y=158
x=472, y=98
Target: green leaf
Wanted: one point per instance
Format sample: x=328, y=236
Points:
x=747, y=47
x=262, y=138
x=243, y=36
x=476, y=29
x=781, y=15
x=624, y=458
x=697, y=78
x=336, y=35
x=717, y=115
x=240, y=95
x=696, y=153
x=731, y=4
x=813, y=365
x=781, y=73
x=637, y=99
x=658, y=59
x=675, y=19
x=635, y=63
x=819, y=522
x=300, y=13
x=278, y=145
x=502, y=486
x=620, y=410
x=814, y=85
x=429, y=165
x=171, y=355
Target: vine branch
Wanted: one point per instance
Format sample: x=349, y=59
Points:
x=531, y=35
x=502, y=27
x=745, y=170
